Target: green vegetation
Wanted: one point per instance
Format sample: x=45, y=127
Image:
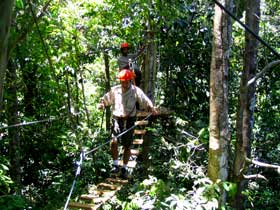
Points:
x=56, y=71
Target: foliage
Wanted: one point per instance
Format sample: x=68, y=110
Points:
x=13, y=203
x=5, y=180
x=177, y=181
x=61, y=51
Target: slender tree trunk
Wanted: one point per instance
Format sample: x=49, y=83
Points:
x=76, y=103
x=29, y=76
x=69, y=107
x=6, y=9
x=108, y=87
x=150, y=67
x=84, y=97
x=245, y=119
x=81, y=80
x=219, y=123
x=12, y=117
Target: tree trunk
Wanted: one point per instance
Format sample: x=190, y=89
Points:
x=6, y=9
x=245, y=119
x=108, y=87
x=219, y=123
x=12, y=118
x=150, y=67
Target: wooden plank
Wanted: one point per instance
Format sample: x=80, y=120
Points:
x=141, y=122
x=116, y=180
x=108, y=186
x=142, y=114
x=82, y=206
x=95, y=199
x=130, y=164
x=99, y=192
x=140, y=132
x=134, y=152
x=88, y=196
x=160, y=111
x=138, y=141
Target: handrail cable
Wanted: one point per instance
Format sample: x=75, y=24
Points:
x=83, y=155
x=28, y=123
x=78, y=171
x=118, y=136
x=248, y=29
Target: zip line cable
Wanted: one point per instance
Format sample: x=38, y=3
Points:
x=83, y=155
x=248, y=29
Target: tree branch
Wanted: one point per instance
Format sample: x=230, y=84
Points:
x=255, y=176
x=22, y=36
x=265, y=69
x=261, y=164
x=42, y=39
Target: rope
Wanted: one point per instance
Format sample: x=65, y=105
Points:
x=83, y=155
x=248, y=29
x=28, y=123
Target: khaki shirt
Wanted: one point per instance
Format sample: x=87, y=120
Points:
x=124, y=104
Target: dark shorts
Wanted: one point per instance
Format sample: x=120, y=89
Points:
x=120, y=125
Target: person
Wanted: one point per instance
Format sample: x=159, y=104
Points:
x=123, y=100
x=127, y=61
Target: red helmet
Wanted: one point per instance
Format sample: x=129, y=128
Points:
x=124, y=45
x=125, y=75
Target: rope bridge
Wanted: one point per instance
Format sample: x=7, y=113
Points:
x=104, y=191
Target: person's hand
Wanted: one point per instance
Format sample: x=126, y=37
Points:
x=101, y=105
x=154, y=111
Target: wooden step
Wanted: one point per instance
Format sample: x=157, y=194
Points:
x=88, y=196
x=82, y=206
x=141, y=122
x=91, y=196
x=130, y=164
x=94, y=199
x=142, y=114
x=140, y=132
x=138, y=141
x=116, y=180
x=99, y=192
x=134, y=152
x=103, y=185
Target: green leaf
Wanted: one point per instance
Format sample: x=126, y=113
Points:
x=19, y=4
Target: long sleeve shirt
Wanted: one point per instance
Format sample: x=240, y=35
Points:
x=124, y=104
x=123, y=61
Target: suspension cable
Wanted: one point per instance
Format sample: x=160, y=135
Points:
x=248, y=29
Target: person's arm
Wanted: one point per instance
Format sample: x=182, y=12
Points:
x=141, y=50
x=123, y=63
x=106, y=100
x=144, y=101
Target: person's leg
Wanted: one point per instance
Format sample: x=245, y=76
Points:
x=126, y=143
x=117, y=128
x=126, y=154
x=114, y=149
